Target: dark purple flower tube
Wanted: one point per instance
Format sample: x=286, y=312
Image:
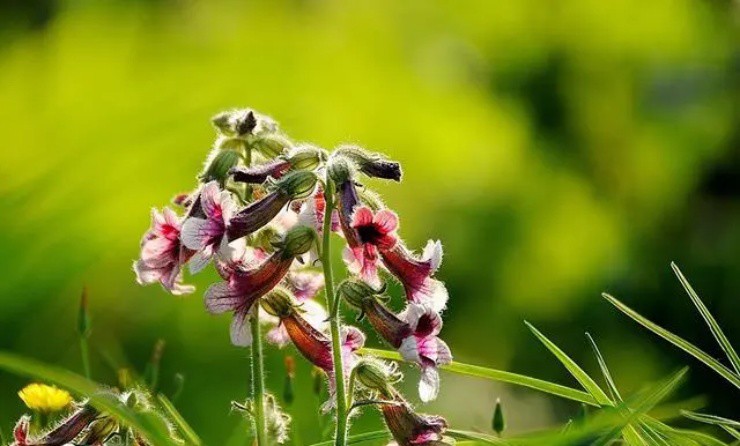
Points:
x=416, y=274
x=410, y=428
x=260, y=173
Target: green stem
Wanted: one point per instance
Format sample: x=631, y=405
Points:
x=258, y=366
x=85, y=352
x=340, y=435
x=258, y=380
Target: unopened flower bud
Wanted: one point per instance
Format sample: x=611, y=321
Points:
x=270, y=145
x=298, y=240
x=278, y=302
x=498, y=423
x=297, y=185
x=306, y=158
x=339, y=170
x=356, y=292
x=377, y=376
x=99, y=431
x=219, y=167
x=372, y=164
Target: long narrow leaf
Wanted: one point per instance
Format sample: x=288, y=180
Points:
x=182, y=425
x=476, y=436
x=499, y=375
x=574, y=369
x=710, y=419
x=676, y=340
x=714, y=327
x=147, y=426
x=604, y=369
x=359, y=438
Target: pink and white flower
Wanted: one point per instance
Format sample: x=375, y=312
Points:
x=376, y=233
x=425, y=348
x=206, y=235
x=410, y=428
x=244, y=283
x=415, y=274
x=163, y=255
x=304, y=286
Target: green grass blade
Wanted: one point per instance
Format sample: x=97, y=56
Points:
x=172, y=413
x=604, y=369
x=676, y=340
x=147, y=426
x=582, y=377
x=478, y=437
x=710, y=419
x=501, y=376
x=714, y=327
x=734, y=432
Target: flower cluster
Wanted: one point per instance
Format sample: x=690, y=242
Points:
x=259, y=213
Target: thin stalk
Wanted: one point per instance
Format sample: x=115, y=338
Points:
x=340, y=435
x=258, y=366
x=258, y=380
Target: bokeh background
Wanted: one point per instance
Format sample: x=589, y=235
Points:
x=559, y=149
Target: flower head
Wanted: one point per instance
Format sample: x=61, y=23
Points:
x=44, y=398
x=416, y=274
x=206, y=235
x=162, y=254
x=376, y=232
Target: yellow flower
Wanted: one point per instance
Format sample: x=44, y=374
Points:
x=43, y=398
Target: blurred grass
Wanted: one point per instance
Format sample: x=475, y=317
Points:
x=557, y=149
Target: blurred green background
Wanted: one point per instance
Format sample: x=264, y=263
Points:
x=559, y=149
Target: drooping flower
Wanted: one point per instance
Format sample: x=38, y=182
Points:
x=64, y=433
x=248, y=280
x=295, y=185
x=163, y=255
x=415, y=274
x=376, y=233
x=304, y=285
x=299, y=158
x=371, y=164
x=314, y=344
x=45, y=398
x=206, y=235
x=425, y=348
x=414, y=333
x=410, y=428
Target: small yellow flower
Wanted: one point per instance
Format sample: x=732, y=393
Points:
x=43, y=398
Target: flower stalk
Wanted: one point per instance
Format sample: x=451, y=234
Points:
x=341, y=432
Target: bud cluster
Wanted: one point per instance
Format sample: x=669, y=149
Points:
x=258, y=214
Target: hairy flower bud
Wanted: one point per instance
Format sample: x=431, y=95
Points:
x=298, y=240
x=235, y=122
x=218, y=168
x=279, y=302
x=372, y=164
x=356, y=292
x=339, y=170
x=297, y=185
x=260, y=173
x=377, y=376
x=306, y=158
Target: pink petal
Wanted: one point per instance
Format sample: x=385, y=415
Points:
x=363, y=216
x=386, y=221
x=278, y=336
x=409, y=350
x=352, y=338
x=209, y=200
x=422, y=319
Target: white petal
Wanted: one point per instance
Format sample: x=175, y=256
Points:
x=219, y=299
x=198, y=262
x=241, y=334
x=428, y=384
x=194, y=235
x=433, y=253
x=409, y=350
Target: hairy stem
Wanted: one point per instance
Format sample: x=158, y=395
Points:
x=340, y=435
x=258, y=367
x=258, y=380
